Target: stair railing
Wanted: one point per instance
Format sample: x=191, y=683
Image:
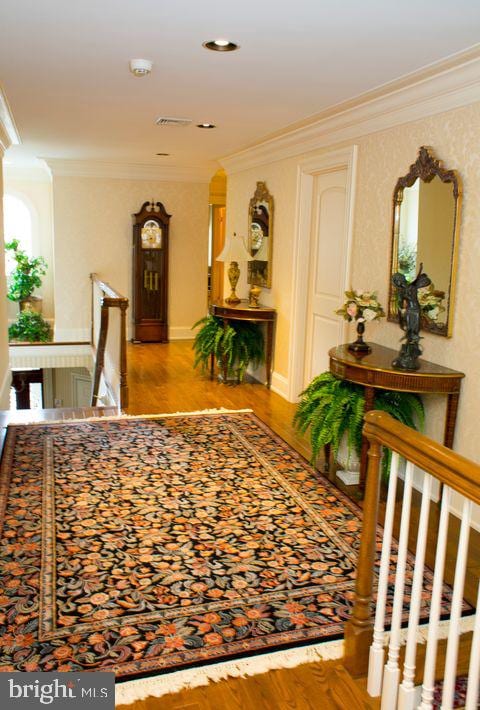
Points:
x=109, y=342
x=426, y=462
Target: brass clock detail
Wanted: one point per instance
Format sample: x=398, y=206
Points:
x=150, y=273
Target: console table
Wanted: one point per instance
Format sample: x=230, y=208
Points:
x=242, y=311
x=374, y=371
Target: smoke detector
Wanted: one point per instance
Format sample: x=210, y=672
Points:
x=171, y=121
x=140, y=67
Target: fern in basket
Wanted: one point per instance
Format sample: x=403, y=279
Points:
x=239, y=344
x=332, y=408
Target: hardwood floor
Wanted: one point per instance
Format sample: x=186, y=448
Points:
x=162, y=379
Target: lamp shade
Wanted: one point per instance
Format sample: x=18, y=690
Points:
x=234, y=250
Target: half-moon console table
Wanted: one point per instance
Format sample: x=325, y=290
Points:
x=242, y=311
x=374, y=371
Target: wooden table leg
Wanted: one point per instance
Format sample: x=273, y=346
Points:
x=369, y=405
x=224, y=359
x=268, y=353
x=449, y=432
x=212, y=365
x=451, y=418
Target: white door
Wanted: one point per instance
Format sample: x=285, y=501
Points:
x=328, y=273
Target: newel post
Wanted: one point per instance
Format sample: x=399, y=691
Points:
x=123, y=355
x=359, y=628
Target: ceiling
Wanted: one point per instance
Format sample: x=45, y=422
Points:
x=64, y=69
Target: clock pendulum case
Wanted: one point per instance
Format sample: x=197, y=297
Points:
x=150, y=273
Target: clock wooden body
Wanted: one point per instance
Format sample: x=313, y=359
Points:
x=150, y=273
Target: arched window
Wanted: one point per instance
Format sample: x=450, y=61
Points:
x=17, y=224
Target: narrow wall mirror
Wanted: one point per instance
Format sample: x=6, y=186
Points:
x=426, y=219
x=260, y=237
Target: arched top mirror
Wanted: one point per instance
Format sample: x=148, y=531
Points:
x=426, y=218
x=260, y=237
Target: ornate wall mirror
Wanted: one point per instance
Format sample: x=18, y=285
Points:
x=426, y=218
x=260, y=236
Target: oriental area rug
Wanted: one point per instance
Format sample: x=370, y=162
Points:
x=150, y=544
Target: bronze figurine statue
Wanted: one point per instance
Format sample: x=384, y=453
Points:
x=409, y=316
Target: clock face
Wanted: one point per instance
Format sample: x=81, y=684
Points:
x=151, y=235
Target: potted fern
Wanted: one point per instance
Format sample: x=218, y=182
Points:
x=333, y=410
x=239, y=344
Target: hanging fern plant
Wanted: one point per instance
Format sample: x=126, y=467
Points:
x=332, y=408
x=239, y=345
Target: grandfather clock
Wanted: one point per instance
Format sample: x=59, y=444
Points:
x=150, y=273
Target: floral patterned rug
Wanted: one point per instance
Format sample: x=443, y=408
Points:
x=149, y=544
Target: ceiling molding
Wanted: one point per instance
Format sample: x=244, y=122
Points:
x=425, y=94
x=8, y=130
x=128, y=171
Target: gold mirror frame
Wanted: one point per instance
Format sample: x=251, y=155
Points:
x=426, y=168
x=260, y=271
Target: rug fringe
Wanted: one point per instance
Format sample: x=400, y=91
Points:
x=115, y=417
x=466, y=624
x=132, y=690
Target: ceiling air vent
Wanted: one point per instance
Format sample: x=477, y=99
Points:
x=168, y=121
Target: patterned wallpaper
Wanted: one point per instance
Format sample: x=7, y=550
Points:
x=382, y=158
x=93, y=232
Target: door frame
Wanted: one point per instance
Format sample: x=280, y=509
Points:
x=306, y=172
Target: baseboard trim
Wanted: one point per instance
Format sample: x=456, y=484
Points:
x=280, y=385
x=181, y=333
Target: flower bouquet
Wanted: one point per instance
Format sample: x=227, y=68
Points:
x=430, y=301
x=361, y=307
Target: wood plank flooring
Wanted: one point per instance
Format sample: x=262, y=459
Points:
x=162, y=379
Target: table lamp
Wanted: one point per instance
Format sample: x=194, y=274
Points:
x=234, y=251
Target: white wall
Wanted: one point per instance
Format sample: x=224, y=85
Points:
x=5, y=376
x=34, y=187
x=93, y=233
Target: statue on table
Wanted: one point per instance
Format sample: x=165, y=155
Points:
x=409, y=314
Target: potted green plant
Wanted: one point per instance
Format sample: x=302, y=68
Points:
x=239, y=344
x=25, y=278
x=30, y=327
x=333, y=409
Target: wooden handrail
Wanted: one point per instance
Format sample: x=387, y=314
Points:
x=110, y=292
x=450, y=468
x=111, y=299
x=445, y=465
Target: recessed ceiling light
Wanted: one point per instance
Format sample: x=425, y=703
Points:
x=221, y=45
x=162, y=153
x=140, y=67
x=205, y=125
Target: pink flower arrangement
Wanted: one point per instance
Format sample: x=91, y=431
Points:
x=361, y=306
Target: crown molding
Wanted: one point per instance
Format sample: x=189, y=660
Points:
x=128, y=171
x=8, y=130
x=439, y=88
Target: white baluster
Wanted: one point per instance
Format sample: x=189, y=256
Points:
x=376, y=657
x=391, y=674
x=407, y=694
x=436, y=604
x=456, y=610
x=471, y=702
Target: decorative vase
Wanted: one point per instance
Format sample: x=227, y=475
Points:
x=31, y=303
x=359, y=346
